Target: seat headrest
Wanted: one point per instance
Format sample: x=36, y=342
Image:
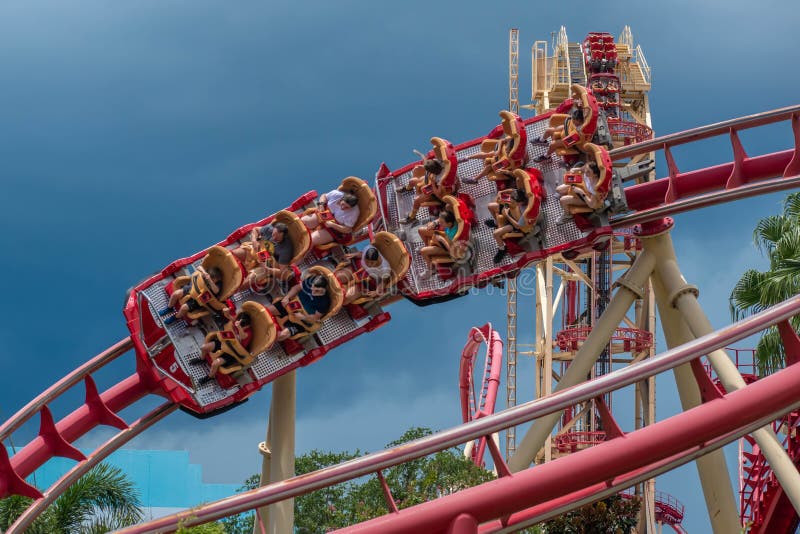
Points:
x=335, y=291
x=225, y=261
x=509, y=123
x=298, y=233
x=367, y=204
x=394, y=251
x=263, y=325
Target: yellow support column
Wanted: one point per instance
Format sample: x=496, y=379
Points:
x=278, y=451
x=683, y=297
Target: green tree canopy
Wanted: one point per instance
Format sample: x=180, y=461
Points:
x=413, y=483
x=777, y=237
x=103, y=499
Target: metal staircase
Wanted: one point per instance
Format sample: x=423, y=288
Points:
x=577, y=65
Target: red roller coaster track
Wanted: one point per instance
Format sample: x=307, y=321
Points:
x=472, y=407
x=536, y=494
x=680, y=191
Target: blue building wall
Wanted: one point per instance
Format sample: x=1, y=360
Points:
x=165, y=479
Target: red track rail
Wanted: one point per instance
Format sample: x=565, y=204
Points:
x=745, y=176
x=546, y=490
x=472, y=408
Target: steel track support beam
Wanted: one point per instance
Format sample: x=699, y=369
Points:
x=711, y=468
x=631, y=286
x=683, y=297
x=277, y=463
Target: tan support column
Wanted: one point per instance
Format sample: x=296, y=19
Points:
x=683, y=297
x=548, y=344
x=265, y=448
x=631, y=286
x=712, y=468
x=278, y=462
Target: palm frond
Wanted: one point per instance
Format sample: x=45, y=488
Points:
x=791, y=206
x=769, y=352
x=768, y=231
x=745, y=297
x=103, y=494
x=787, y=247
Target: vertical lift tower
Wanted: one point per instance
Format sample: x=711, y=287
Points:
x=571, y=293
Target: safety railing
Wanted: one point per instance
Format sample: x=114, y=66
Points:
x=745, y=360
x=629, y=132
x=638, y=57
x=668, y=509
x=578, y=440
x=630, y=339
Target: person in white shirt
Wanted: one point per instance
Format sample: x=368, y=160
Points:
x=343, y=207
x=375, y=264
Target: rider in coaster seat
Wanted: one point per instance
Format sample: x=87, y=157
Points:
x=341, y=213
x=585, y=188
x=434, y=179
x=447, y=239
x=501, y=156
x=272, y=254
x=245, y=336
x=571, y=132
x=206, y=290
x=515, y=211
x=308, y=304
x=371, y=274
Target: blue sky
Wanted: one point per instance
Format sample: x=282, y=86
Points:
x=113, y=114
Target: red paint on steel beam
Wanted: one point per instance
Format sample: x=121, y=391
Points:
x=30, y=409
x=387, y=493
x=793, y=167
x=79, y=422
x=490, y=380
x=690, y=183
x=10, y=481
x=791, y=342
x=708, y=389
x=463, y=524
x=610, y=425
x=53, y=440
x=99, y=410
x=672, y=169
x=600, y=463
x=779, y=517
x=705, y=132
x=499, y=462
x=736, y=177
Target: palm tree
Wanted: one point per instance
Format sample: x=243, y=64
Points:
x=103, y=499
x=777, y=236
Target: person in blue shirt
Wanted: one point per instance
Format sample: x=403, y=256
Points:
x=440, y=240
x=304, y=305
